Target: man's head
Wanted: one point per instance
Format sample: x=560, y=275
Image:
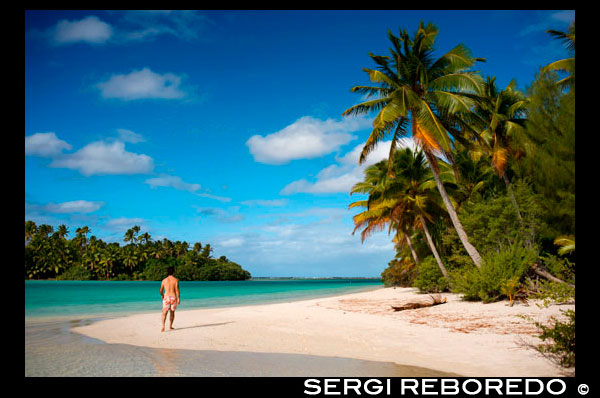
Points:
x=171, y=270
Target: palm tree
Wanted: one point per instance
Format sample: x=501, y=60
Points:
x=415, y=88
x=567, y=64
x=109, y=256
x=501, y=117
x=30, y=230
x=402, y=203
x=62, y=231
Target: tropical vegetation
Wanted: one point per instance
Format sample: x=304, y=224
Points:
x=49, y=254
x=485, y=204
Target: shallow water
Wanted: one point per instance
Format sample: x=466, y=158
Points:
x=85, y=298
x=52, y=349
x=52, y=308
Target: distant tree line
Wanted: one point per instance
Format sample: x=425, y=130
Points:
x=49, y=254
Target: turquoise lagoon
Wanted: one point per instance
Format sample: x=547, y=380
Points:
x=106, y=298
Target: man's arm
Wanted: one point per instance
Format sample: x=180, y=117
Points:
x=177, y=290
x=162, y=288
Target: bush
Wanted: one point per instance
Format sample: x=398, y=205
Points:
x=429, y=277
x=399, y=273
x=75, y=273
x=498, y=269
x=156, y=270
x=560, y=347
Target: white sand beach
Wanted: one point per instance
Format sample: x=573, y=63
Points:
x=465, y=338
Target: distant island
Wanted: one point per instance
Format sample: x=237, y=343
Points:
x=50, y=255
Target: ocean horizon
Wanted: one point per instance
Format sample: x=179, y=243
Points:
x=54, y=299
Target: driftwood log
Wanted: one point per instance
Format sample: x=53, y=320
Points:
x=541, y=271
x=436, y=299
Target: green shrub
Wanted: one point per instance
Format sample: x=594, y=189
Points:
x=75, y=273
x=560, y=267
x=429, y=277
x=399, y=273
x=156, y=270
x=560, y=337
x=487, y=284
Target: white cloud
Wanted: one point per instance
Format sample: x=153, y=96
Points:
x=141, y=84
x=122, y=222
x=265, y=203
x=306, y=138
x=340, y=177
x=173, y=182
x=90, y=29
x=146, y=24
x=232, y=242
x=324, y=244
x=76, y=206
x=103, y=158
x=44, y=144
x=129, y=136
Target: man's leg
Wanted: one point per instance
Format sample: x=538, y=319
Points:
x=172, y=319
x=163, y=318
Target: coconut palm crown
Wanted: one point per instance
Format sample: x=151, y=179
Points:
x=415, y=89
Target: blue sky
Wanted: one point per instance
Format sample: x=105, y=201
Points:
x=225, y=127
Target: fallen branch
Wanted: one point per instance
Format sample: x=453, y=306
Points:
x=541, y=271
x=436, y=300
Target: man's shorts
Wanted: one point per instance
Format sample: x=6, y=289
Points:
x=169, y=303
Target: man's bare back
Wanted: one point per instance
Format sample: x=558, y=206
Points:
x=169, y=292
x=171, y=286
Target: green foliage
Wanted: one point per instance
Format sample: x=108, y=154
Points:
x=398, y=273
x=553, y=293
x=156, y=270
x=493, y=223
x=549, y=162
x=49, y=255
x=497, y=270
x=429, y=278
x=560, y=267
x=560, y=340
x=75, y=273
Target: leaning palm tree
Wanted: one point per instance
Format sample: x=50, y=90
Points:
x=417, y=89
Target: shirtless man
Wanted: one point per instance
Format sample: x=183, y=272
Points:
x=170, y=298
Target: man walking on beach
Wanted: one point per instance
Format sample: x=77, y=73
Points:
x=170, y=298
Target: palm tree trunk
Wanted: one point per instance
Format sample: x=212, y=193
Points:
x=473, y=253
x=412, y=249
x=432, y=246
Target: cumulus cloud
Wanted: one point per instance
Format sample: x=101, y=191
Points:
x=105, y=158
x=76, y=206
x=340, y=177
x=129, y=136
x=173, y=182
x=89, y=30
x=306, y=138
x=130, y=26
x=45, y=145
x=141, y=84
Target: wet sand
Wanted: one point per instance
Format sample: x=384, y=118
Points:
x=52, y=349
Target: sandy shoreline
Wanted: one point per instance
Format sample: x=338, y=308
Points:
x=465, y=338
